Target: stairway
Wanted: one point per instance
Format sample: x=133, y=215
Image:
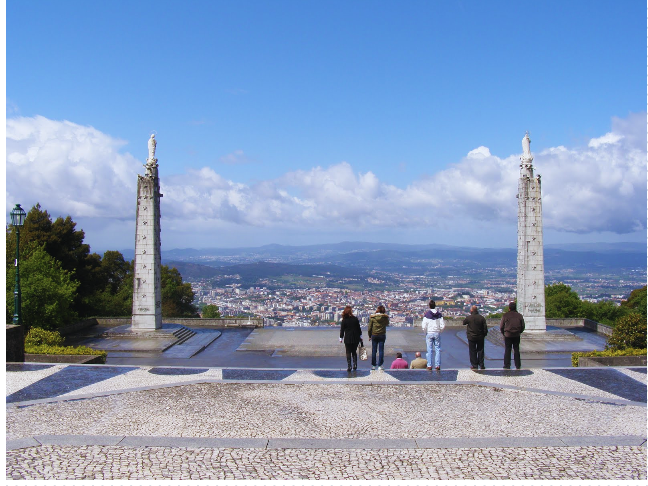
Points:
x=192, y=344
x=183, y=334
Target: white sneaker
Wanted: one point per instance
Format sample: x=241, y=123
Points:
x=373, y=368
x=381, y=368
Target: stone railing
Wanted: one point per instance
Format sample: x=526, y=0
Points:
x=571, y=322
x=77, y=326
x=190, y=322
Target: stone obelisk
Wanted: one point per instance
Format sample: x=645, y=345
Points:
x=147, y=284
x=530, y=256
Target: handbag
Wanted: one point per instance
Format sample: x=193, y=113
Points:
x=362, y=352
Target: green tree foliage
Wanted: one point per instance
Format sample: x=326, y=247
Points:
x=562, y=302
x=115, y=282
x=47, y=290
x=177, y=297
x=62, y=241
x=629, y=332
x=211, y=312
x=636, y=301
x=605, y=312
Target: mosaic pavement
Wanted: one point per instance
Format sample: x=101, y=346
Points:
x=32, y=382
x=157, y=422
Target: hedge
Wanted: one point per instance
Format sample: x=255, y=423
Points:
x=41, y=341
x=609, y=352
x=69, y=350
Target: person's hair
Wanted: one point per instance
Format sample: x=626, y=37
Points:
x=512, y=306
x=418, y=354
x=432, y=304
x=399, y=355
x=381, y=309
x=347, y=312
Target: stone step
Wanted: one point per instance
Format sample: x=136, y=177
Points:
x=193, y=345
x=183, y=334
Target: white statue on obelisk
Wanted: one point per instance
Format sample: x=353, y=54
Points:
x=530, y=259
x=147, y=283
x=151, y=161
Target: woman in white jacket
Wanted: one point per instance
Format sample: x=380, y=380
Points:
x=433, y=325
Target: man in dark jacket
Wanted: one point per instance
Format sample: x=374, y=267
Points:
x=476, y=331
x=512, y=326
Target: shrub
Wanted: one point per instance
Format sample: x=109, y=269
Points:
x=69, y=350
x=41, y=341
x=609, y=352
x=37, y=337
x=629, y=332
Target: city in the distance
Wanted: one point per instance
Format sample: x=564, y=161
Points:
x=310, y=285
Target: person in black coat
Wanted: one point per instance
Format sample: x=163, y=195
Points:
x=476, y=332
x=352, y=334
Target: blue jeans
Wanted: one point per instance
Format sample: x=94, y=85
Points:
x=433, y=341
x=378, y=342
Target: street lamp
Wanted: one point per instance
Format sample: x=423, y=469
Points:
x=17, y=220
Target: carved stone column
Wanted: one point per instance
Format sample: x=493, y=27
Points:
x=530, y=259
x=147, y=284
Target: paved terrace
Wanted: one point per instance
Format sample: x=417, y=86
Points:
x=159, y=422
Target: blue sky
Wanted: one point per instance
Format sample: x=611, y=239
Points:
x=301, y=122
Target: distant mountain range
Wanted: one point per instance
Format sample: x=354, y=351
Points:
x=345, y=259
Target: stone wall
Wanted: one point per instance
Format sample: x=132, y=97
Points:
x=64, y=358
x=575, y=322
x=611, y=361
x=190, y=322
x=598, y=327
x=77, y=326
x=15, y=344
x=224, y=322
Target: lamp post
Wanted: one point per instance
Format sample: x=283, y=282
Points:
x=17, y=220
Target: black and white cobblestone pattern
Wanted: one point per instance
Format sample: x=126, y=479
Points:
x=166, y=463
x=270, y=410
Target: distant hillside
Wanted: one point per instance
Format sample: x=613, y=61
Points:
x=257, y=270
x=349, y=258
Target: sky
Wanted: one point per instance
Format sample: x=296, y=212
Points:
x=297, y=122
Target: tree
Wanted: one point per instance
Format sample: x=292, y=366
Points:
x=211, y=312
x=47, y=290
x=636, y=301
x=115, y=275
x=177, y=297
x=605, y=312
x=629, y=332
x=562, y=302
x=62, y=241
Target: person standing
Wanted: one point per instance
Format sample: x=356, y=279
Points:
x=433, y=325
x=399, y=363
x=476, y=331
x=377, y=332
x=512, y=326
x=418, y=363
x=352, y=334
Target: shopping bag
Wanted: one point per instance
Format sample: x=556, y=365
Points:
x=362, y=353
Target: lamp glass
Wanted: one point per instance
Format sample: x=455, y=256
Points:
x=18, y=216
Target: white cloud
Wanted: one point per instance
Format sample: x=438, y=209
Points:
x=69, y=169
x=479, y=153
x=235, y=158
x=78, y=170
x=609, y=137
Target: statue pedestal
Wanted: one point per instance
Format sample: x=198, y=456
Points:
x=535, y=324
